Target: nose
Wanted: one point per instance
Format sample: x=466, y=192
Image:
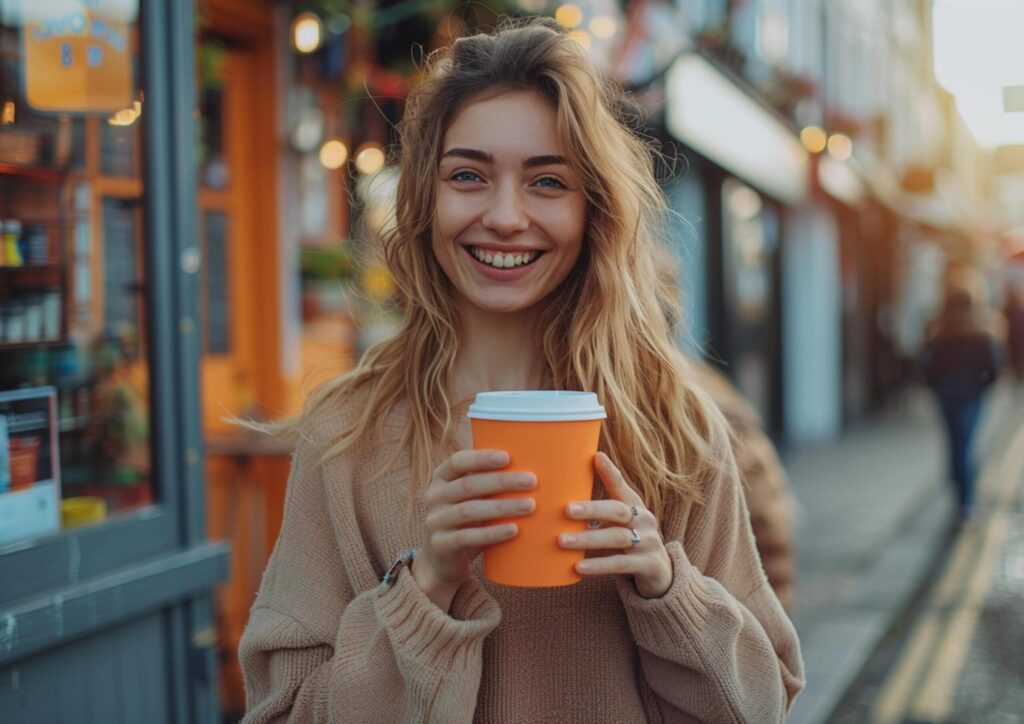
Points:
x=506, y=212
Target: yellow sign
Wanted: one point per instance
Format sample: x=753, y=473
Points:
x=78, y=55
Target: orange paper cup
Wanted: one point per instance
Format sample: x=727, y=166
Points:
x=553, y=435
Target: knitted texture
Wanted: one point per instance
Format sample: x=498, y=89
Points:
x=326, y=643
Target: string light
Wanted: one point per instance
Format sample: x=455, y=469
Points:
x=333, y=154
x=369, y=158
x=814, y=139
x=840, y=147
x=603, y=26
x=569, y=15
x=307, y=33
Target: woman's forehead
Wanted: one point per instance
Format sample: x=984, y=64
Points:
x=512, y=122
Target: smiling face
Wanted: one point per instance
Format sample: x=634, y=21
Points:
x=510, y=215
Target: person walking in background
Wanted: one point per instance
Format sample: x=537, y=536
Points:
x=1014, y=312
x=523, y=254
x=961, y=359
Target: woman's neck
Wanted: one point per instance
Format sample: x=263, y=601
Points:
x=498, y=352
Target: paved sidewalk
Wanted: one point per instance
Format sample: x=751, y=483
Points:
x=874, y=521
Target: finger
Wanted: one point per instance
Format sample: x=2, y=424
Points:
x=618, y=564
x=477, y=511
x=450, y=543
x=605, y=538
x=614, y=481
x=608, y=511
x=481, y=485
x=470, y=461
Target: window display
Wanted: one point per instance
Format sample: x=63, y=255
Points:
x=72, y=260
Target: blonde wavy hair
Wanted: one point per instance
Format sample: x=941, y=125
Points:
x=606, y=328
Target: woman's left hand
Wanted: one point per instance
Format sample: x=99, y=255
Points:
x=628, y=535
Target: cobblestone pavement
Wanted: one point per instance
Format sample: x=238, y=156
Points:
x=958, y=654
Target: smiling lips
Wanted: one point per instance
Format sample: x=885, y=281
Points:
x=504, y=260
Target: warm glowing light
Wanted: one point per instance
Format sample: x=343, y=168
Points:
x=814, y=139
x=369, y=158
x=603, y=26
x=307, y=33
x=126, y=116
x=840, y=147
x=333, y=154
x=582, y=37
x=7, y=117
x=976, y=53
x=569, y=15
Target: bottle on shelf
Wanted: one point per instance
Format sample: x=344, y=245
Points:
x=10, y=235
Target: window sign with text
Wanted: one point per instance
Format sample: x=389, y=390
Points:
x=78, y=54
x=29, y=473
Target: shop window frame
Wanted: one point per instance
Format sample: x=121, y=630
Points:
x=136, y=560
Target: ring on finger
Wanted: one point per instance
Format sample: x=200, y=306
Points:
x=594, y=524
x=634, y=537
x=633, y=513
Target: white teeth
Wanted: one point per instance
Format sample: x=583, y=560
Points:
x=504, y=261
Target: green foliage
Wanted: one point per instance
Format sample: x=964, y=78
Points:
x=330, y=263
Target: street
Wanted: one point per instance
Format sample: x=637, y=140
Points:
x=958, y=653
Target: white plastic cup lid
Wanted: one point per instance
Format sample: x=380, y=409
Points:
x=536, y=406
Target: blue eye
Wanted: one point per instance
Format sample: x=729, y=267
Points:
x=465, y=176
x=550, y=182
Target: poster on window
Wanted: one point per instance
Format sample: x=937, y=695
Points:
x=29, y=464
x=78, y=55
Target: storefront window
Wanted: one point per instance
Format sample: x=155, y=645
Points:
x=75, y=424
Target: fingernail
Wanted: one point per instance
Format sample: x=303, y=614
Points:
x=582, y=566
x=575, y=509
x=499, y=457
x=569, y=539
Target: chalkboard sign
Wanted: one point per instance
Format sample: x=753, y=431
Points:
x=120, y=267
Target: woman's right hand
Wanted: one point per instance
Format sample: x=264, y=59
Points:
x=457, y=513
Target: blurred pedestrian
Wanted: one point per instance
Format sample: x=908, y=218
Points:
x=1014, y=312
x=960, y=361
x=527, y=218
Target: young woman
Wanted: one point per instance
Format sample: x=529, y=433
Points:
x=524, y=254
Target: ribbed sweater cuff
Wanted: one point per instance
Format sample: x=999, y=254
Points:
x=421, y=631
x=673, y=617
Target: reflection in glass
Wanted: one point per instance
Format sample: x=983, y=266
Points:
x=72, y=286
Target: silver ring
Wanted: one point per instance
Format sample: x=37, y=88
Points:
x=634, y=537
x=634, y=512
x=594, y=524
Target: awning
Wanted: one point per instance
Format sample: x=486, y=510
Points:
x=709, y=111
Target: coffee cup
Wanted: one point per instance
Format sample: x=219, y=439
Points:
x=554, y=435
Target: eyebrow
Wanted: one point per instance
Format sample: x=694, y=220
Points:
x=475, y=155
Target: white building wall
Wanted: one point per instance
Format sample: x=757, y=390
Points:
x=812, y=328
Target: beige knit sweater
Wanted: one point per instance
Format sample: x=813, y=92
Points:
x=326, y=643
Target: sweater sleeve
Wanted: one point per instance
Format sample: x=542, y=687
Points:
x=717, y=646
x=315, y=650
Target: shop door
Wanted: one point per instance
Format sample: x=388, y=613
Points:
x=239, y=309
x=224, y=155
